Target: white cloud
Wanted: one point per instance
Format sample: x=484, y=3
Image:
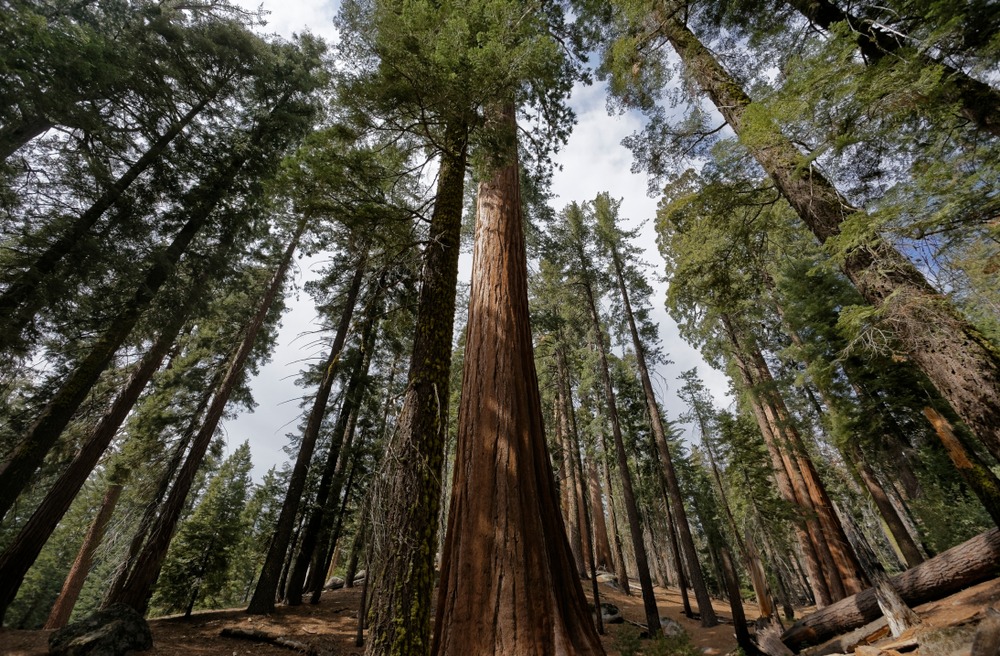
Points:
x=593, y=161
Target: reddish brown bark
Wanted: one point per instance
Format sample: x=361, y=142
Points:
x=77, y=576
x=135, y=587
x=574, y=510
x=980, y=478
x=955, y=569
x=602, y=544
x=841, y=569
x=962, y=364
x=407, y=493
x=628, y=494
x=508, y=581
x=685, y=539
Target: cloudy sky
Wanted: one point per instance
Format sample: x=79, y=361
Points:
x=593, y=161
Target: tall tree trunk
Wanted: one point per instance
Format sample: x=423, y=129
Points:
x=675, y=552
x=322, y=565
x=617, y=556
x=509, y=584
x=23, y=550
x=136, y=586
x=897, y=529
x=628, y=494
x=977, y=101
x=751, y=560
x=317, y=527
x=846, y=577
x=407, y=487
x=66, y=601
x=899, y=616
x=957, y=358
x=262, y=602
x=150, y=511
x=17, y=135
x=806, y=529
x=16, y=471
x=602, y=544
x=587, y=523
x=732, y=583
x=979, y=477
x=574, y=510
x=24, y=296
x=697, y=579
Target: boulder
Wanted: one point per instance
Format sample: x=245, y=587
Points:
x=112, y=631
x=670, y=627
x=335, y=583
x=610, y=614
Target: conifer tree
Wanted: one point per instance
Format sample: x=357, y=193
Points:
x=196, y=567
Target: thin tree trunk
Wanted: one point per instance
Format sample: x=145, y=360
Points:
x=323, y=563
x=66, y=601
x=731, y=581
x=628, y=495
x=980, y=478
x=897, y=529
x=899, y=616
x=588, y=532
x=697, y=579
x=145, y=523
x=16, y=471
x=573, y=494
x=618, y=558
x=959, y=361
x=602, y=544
x=842, y=571
x=357, y=546
x=806, y=529
x=23, y=297
x=407, y=487
x=675, y=552
x=343, y=434
x=24, y=549
x=262, y=602
x=751, y=560
x=512, y=588
x=137, y=585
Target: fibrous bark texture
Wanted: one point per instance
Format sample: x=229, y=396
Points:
x=962, y=364
x=955, y=569
x=509, y=583
x=407, y=495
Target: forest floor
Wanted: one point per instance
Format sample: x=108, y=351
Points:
x=330, y=627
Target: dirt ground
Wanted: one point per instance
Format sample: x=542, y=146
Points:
x=330, y=627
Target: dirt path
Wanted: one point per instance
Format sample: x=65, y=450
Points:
x=331, y=625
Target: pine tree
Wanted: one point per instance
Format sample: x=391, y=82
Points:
x=195, y=570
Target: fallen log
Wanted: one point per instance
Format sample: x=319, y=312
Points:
x=967, y=564
x=254, y=635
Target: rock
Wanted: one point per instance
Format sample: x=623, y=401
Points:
x=608, y=579
x=610, y=614
x=335, y=583
x=670, y=627
x=112, y=631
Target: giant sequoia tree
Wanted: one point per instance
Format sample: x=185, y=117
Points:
x=509, y=583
